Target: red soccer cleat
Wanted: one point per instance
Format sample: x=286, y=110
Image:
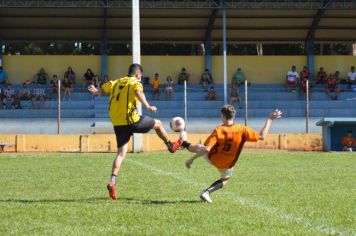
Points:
x=175, y=145
x=112, y=190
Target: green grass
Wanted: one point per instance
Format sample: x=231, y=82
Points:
x=270, y=193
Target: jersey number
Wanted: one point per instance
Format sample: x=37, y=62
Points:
x=227, y=145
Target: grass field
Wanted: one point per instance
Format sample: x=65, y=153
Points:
x=271, y=193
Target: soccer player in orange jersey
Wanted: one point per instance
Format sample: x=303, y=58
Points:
x=224, y=145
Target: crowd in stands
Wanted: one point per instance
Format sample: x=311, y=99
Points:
x=295, y=80
x=33, y=91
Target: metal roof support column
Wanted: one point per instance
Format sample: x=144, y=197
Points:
x=104, y=57
x=207, y=40
x=310, y=56
x=136, y=58
x=224, y=48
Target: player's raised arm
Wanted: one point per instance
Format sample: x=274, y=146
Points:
x=141, y=96
x=93, y=90
x=274, y=115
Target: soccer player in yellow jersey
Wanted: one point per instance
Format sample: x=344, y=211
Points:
x=224, y=145
x=125, y=93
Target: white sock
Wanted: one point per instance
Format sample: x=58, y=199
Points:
x=113, y=178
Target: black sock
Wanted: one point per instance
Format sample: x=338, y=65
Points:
x=185, y=144
x=215, y=186
x=168, y=143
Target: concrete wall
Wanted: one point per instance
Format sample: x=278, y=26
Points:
x=107, y=142
x=258, y=69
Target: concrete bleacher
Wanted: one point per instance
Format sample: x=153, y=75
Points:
x=262, y=99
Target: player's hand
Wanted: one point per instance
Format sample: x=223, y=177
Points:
x=275, y=115
x=92, y=89
x=188, y=163
x=152, y=108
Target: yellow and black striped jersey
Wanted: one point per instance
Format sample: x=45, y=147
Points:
x=123, y=101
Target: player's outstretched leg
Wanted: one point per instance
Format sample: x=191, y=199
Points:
x=205, y=194
x=162, y=134
x=111, y=186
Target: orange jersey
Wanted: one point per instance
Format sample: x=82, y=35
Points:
x=346, y=141
x=226, y=144
x=155, y=84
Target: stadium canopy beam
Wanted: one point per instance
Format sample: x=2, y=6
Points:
x=207, y=39
x=309, y=41
x=192, y=4
x=222, y=5
x=104, y=48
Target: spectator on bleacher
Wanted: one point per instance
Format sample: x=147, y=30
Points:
x=25, y=93
x=238, y=78
x=183, y=76
x=321, y=76
x=67, y=86
x=348, y=142
x=96, y=81
x=212, y=96
x=105, y=80
x=206, y=79
x=235, y=95
x=38, y=96
x=292, y=79
x=88, y=78
x=53, y=86
x=4, y=79
x=1, y=99
x=169, y=87
x=304, y=76
x=70, y=74
x=332, y=86
x=41, y=77
x=145, y=79
x=155, y=85
x=351, y=76
x=338, y=79
x=9, y=96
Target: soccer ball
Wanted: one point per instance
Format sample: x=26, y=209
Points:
x=177, y=124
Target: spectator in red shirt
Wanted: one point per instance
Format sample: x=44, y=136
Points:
x=332, y=86
x=303, y=77
x=321, y=76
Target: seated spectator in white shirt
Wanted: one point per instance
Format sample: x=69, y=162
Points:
x=8, y=96
x=351, y=76
x=38, y=96
x=292, y=78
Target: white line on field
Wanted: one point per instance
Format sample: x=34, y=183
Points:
x=244, y=201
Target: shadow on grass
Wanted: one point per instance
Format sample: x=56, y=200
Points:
x=36, y=201
x=96, y=199
x=158, y=202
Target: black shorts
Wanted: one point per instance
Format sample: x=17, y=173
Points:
x=124, y=132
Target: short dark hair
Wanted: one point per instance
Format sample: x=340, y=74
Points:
x=349, y=131
x=135, y=67
x=156, y=74
x=1, y=68
x=352, y=67
x=228, y=111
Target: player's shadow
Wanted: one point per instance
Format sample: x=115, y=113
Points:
x=158, y=202
x=36, y=201
x=96, y=199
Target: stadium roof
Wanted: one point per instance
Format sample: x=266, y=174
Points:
x=179, y=21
